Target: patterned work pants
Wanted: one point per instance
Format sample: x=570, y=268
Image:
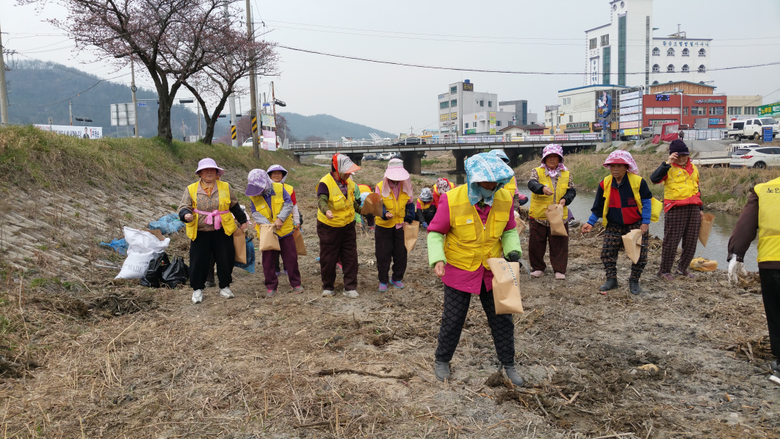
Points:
x=613, y=242
x=456, y=306
x=680, y=223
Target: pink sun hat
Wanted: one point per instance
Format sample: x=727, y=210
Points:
x=209, y=163
x=395, y=170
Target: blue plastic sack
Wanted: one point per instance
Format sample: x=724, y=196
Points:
x=118, y=245
x=168, y=224
x=250, y=257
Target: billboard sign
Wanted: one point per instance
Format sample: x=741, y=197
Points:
x=82, y=132
x=122, y=114
x=604, y=104
x=771, y=110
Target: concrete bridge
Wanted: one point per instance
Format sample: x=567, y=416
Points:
x=518, y=149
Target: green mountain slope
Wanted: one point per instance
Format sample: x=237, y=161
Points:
x=328, y=127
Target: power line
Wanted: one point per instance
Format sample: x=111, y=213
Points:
x=510, y=72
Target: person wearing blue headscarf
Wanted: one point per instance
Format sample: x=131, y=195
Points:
x=477, y=223
x=518, y=198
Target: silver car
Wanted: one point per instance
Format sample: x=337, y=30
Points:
x=759, y=158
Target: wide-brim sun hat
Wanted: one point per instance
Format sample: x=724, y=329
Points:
x=621, y=157
x=258, y=182
x=552, y=148
x=209, y=163
x=342, y=164
x=395, y=170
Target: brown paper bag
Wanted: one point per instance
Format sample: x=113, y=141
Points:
x=632, y=242
x=520, y=224
x=506, y=287
x=239, y=242
x=267, y=238
x=555, y=217
x=372, y=205
x=706, y=227
x=299, y=244
x=411, y=231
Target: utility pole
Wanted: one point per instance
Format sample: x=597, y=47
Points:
x=3, y=90
x=273, y=98
x=133, y=89
x=231, y=98
x=252, y=89
x=70, y=111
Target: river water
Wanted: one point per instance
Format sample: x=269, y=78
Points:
x=717, y=244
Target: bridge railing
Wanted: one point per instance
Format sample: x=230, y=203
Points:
x=335, y=144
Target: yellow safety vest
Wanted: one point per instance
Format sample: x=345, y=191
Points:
x=511, y=186
x=539, y=203
x=768, y=225
x=634, y=181
x=396, y=207
x=424, y=205
x=342, y=207
x=470, y=243
x=364, y=188
x=679, y=185
x=272, y=211
x=228, y=224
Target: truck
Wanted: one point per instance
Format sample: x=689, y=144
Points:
x=752, y=128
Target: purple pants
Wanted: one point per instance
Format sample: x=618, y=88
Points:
x=289, y=257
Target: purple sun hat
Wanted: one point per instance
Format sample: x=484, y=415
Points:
x=208, y=163
x=258, y=182
x=278, y=168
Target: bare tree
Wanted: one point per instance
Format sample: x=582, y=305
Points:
x=168, y=37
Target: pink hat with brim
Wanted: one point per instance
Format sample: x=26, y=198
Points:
x=395, y=171
x=209, y=163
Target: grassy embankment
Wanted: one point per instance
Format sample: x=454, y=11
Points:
x=722, y=188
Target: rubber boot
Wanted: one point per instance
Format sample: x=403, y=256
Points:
x=442, y=370
x=633, y=286
x=513, y=376
x=610, y=284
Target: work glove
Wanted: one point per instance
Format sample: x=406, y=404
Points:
x=736, y=269
x=424, y=225
x=513, y=256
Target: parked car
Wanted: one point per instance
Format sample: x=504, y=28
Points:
x=759, y=158
x=647, y=132
x=370, y=156
x=386, y=156
x=410, y=141
x=248, y=142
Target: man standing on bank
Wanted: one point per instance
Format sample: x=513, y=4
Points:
x=474, y=222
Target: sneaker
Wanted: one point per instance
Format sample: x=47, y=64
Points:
x=687, y=274
x=372, y=228
x=197, y=296
x=666, y=276
x=537, y=273
x=560, y=276
x=442, y=370
x=210, y=284
x=226, y=293
x=351, y=294
x=513, y=376
x=382, y=287
x=339, y=267
x=327, y=293
x=270, y=293
x=281, y=273
x=298, y=289
x=398, y=284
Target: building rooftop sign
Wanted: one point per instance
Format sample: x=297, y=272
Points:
x=771, y=110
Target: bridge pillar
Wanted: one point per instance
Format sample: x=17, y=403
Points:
x=527, y=154
x=513, y=153
x=356, y=157
x=297, y=158
x=460, y=162
x=413, y=161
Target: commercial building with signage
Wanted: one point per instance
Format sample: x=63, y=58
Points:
x=514, y=131
x=459, y=100
x=519, y=108
x=699, y=112
x=625, y=52
x=486, y=122
x=579, y=106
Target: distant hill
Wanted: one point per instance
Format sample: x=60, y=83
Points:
x=41, y=90
x=327, y=127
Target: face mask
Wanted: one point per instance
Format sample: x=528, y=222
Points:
x=486, y=193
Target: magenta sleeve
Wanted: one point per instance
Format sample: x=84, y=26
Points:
x=441, y=221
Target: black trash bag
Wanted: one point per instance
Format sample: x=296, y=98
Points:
x=154, y=271
x=175, y=274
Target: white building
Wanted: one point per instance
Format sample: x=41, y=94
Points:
x=625, y=52
x=579, y=105
x=480, y=122
x=741, y=106
x=459, y=100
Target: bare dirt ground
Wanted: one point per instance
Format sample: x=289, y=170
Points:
x=86, y=356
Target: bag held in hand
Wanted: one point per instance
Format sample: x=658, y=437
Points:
x=372, y=205
x=411, y=231
x=240, y=247
x=506, y=288
x=300, y=246
x=632, y=242
x=520, y=224
x=706, y=226
x=267, y=237
x=555, y=217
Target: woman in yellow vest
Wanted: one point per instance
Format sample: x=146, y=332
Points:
x=425, y=208
x=336, y=201
x=208, y=208
x=474, y=222
x=397, y=208
x=366, y=220
x=682, y=209
x=550, y=183
x=624, y=201
x=279, y=175
x=759, y=217
x=442, y=186
x=272, y=204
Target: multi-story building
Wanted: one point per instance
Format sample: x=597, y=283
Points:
x=578, y=108
x=486, y=122
x=741, y=106
x=519, y=108
x=625, y=52
x=459, y=100
x=693, y=105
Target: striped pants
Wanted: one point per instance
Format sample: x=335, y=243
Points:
x=680, y=223
x=613, y=242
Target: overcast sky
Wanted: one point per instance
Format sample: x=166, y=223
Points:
x=516, y=35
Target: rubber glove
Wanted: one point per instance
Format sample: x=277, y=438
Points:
x=736, y=269
x=513, y=256
x=424, y=225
